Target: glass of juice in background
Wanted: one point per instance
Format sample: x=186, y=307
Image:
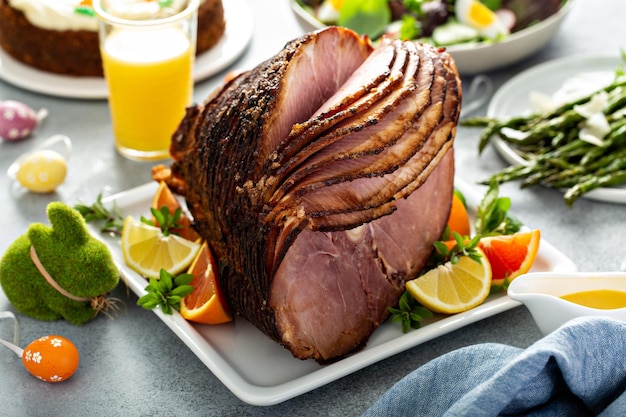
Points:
x=148, y=51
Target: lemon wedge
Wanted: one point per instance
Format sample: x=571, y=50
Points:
x=146, y=250
x=453, y=288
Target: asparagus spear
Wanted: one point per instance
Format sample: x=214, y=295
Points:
x=555, y=154
x=575, y=192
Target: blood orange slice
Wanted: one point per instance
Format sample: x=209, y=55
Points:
x=510, y=255
x=205, y=304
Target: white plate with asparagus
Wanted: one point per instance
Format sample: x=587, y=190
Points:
x=562, y=124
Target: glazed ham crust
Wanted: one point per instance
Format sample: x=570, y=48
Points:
x=320, y=179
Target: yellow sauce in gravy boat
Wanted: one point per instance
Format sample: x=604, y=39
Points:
x=554, y=298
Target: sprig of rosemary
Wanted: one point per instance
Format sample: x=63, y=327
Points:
x=112, y=218
x=167, y=292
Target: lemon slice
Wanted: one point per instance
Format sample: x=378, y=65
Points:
x=453, y=288
x=146, y=250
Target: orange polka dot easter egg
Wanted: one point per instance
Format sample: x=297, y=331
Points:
x=51, y=358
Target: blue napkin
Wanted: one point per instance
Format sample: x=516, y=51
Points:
x=577, y=370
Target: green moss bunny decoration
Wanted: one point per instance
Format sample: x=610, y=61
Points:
x=61, y=271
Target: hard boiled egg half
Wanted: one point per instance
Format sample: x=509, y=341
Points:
x=478, y=16
x=329, y=10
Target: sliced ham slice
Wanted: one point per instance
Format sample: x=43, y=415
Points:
x=388, y=74
x=389, y=110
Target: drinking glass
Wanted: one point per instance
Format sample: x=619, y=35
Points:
x=148, y=52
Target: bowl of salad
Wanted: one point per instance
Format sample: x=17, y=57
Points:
x=481, y=35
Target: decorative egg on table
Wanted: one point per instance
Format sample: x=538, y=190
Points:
x=42, y=171
x=17, y=120
x=51, y=358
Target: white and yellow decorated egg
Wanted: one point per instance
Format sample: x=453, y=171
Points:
x=42, y=171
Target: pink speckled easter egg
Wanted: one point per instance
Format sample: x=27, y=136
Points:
x=17, y=120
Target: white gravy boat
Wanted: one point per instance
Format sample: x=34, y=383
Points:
x=540, y=292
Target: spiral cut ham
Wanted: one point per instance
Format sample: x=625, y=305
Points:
x=321, y=179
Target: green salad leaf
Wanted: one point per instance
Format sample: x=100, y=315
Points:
x=365, y=16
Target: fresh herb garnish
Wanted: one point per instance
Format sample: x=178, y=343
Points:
x=114, y=221
x=165, y=220
x=443, y=252
x=463, y=247
x=409, y=312
x=167, y=292
x=492, y=216
x=112, y=218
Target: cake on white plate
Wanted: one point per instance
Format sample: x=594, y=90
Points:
x=60, y=36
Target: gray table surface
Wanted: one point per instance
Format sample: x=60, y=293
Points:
x=135, y=365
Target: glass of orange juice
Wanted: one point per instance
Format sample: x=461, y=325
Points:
x=148, y=51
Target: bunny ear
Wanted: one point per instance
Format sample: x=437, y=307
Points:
x=67, y=224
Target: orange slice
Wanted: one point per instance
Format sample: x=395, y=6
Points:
x=453, y=288
x=511, y=255
x=458, y=221
x=164, y=197
x=205, y=304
